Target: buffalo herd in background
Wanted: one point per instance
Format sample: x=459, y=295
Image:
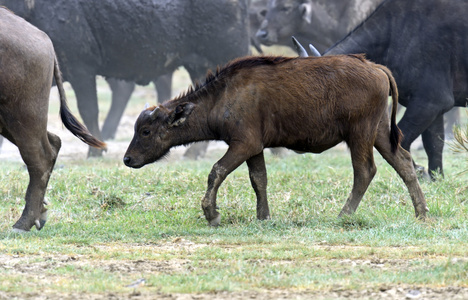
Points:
x=136, y=42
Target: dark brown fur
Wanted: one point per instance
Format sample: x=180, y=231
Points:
x=304, y=104
x=28, y=64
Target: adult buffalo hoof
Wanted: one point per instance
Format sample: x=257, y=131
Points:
x=26, y=222
x=22, y=225
x=41, y=222
x=422, y=174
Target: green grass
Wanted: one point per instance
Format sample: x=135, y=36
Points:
x=107, y=215
x=110, y=225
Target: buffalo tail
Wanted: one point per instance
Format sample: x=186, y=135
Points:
x=69, y=120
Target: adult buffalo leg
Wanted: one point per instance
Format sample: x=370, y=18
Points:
x=258, y=179
x=433, y=141
x=196, y=150
x=84, y=86
x=39, y=153
x=364, y=170
x=403, y=164
x=452, y=118
x=163, y=85
x=233, y=158
x=419, y=116
x=121, y=92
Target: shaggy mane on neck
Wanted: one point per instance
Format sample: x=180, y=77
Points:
x=217, y=80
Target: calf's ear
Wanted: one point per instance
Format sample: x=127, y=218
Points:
x=179, y=115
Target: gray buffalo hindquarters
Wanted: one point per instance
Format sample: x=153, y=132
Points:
x=28, y=65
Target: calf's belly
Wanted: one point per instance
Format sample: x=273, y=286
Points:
x=309, y=144
x=313, y=148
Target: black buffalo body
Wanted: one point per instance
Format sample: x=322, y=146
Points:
x=424, y=44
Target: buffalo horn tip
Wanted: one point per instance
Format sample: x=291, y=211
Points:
x=314, y=50
x=300, y=50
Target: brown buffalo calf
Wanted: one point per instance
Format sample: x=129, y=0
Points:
x=27, y=64
x=304, y=104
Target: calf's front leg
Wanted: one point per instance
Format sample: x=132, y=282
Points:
x=233, y=158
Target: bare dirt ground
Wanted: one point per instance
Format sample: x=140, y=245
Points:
x=391, y=293
x=36, y=267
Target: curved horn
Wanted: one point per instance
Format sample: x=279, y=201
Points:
x=314, y=51
x=154, y=112
x=300, y=50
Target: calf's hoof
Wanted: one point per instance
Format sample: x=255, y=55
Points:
x=345, y=211
x=215, y=222
x=421, y=213
x=263, y=217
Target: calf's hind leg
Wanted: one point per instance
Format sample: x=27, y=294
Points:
x=402, y=162
x=258, y=179
x=364, y=170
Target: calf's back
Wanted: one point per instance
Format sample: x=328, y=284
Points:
x=305, y=104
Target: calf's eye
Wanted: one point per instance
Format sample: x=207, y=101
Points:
x=145, y=132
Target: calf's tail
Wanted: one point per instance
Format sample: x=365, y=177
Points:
x=70, y=122
x=395, y=133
